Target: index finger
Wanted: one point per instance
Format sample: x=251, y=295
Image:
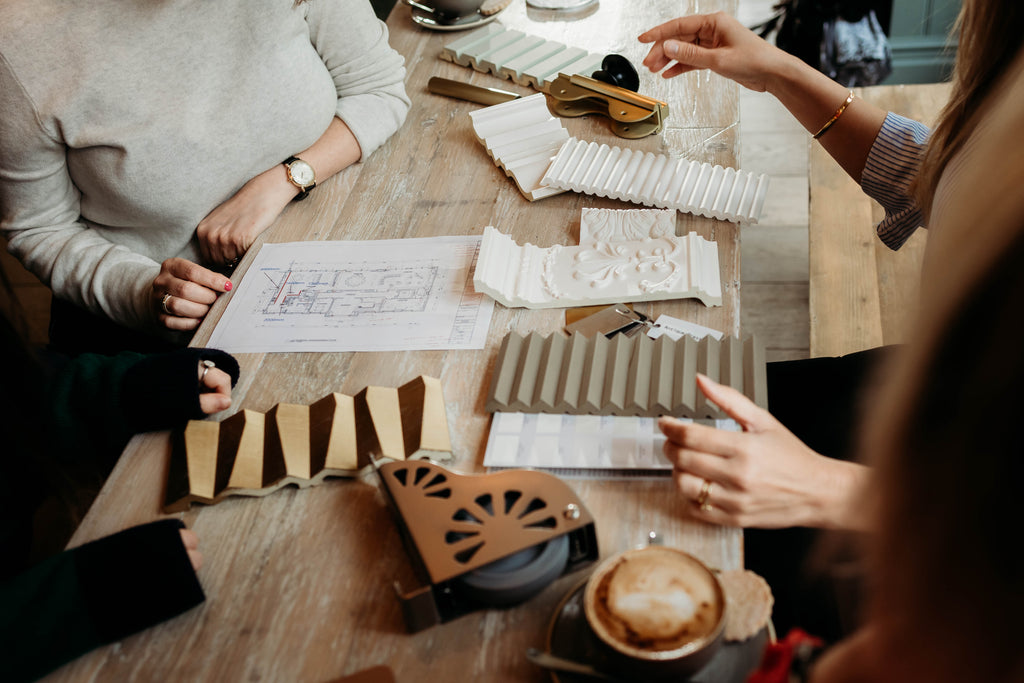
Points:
x=193, y=272
x=702, y=438
x=680, y=28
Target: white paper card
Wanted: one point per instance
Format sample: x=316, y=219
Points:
x=674, y=329
x=581, y=446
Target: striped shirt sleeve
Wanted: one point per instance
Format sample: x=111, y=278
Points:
x=892, y=165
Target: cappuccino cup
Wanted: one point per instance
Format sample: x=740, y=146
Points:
x=658, y=611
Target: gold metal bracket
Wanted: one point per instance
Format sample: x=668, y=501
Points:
x=632, y=115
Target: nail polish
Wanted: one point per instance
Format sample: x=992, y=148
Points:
x=227, y=286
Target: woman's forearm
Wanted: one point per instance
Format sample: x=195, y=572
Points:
x=813, y=98
x=334, y=151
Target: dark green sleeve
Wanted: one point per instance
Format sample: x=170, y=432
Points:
x=98, y=402
x=94, y=595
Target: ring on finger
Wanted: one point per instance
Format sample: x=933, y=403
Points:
x=163, y=303
x=702, y=497
x=207, y=364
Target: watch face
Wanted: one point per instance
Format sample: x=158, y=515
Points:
x=301, y=173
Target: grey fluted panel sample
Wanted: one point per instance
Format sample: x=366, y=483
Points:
x=622, y=375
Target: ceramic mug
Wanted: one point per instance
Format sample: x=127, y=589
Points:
x=448, y=8
x=658, y=611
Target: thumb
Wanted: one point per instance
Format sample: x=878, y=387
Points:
x=737, y=406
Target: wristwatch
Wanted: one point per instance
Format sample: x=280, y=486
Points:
x=301, y=175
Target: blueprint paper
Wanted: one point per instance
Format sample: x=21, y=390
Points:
x=582, y=446
x=382, y=295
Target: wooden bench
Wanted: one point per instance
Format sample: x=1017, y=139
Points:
x=862, y=294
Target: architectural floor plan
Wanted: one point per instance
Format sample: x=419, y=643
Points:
x=384, y=295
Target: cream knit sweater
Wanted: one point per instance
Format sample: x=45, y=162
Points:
x=124, y=122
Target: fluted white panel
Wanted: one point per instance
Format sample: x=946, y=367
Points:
x=658, y=180
x=522, y=137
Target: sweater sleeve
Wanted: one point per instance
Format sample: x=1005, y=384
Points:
x=368, y=74
x=93, y=595
x=889, y=173
x=99, y=402
x=40, y=214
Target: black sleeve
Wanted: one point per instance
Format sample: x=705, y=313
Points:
x=93, y=595
x=161, y=391
x=137, y=578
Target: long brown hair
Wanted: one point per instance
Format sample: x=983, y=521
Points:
x=946, y=433
x=990, y=35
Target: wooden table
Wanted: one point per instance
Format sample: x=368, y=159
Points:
x=862, y=293
x=299, y=584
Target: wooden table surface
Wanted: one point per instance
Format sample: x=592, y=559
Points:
x=862, y=293
x=299, y=584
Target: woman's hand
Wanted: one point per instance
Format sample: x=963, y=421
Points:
x=191, y=543
x=763, y=476
x=214, y=388
x=712, y=41
x=184, y=291
x=231, y=228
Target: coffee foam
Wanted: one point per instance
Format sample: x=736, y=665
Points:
x=657, y=599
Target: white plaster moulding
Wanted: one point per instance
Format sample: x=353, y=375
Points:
x=604, y=225
x=535, y=150
x=598, y=272
x=522, y=137
x=527, y=60
x=657, y=180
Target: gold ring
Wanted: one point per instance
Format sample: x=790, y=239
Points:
x=163, y=303
x=702, y=497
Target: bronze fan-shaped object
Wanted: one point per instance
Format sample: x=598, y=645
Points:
x=483, y=540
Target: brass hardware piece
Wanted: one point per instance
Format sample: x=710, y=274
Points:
x=633, y=115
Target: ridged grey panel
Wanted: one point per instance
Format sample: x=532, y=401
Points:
x=622, y=375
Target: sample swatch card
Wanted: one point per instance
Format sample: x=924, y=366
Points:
x=581, y=446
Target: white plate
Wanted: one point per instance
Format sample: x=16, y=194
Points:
x=427, y=20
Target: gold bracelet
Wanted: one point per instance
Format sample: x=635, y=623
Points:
x=835, y=117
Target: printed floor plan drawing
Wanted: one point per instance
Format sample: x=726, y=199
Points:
x=382, y=295
x=312, y=289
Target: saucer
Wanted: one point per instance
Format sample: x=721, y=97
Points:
x=427, y=20
x=570, y=636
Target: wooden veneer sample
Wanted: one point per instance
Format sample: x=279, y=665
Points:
x=254, y=454
x=623, y=375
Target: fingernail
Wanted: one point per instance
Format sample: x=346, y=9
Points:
x=671, y=48
x=227, y=286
